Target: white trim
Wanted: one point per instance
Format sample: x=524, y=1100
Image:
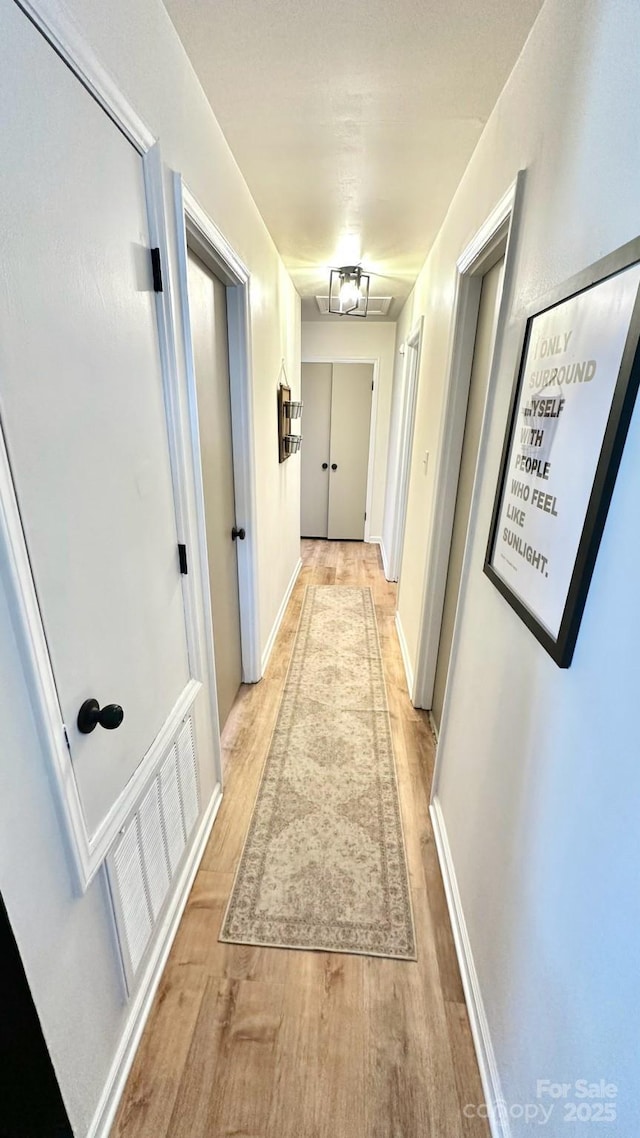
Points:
x=406, y=659
x=383, y=554
x=480, y=246
x=57, y=27
x=195, y=228
x=141, y=1004
x=404, y=444
x=491, y=1085
x=375, y=361
x=372, y=446
x=483, y=250
x=280, y=616
x=177, y=433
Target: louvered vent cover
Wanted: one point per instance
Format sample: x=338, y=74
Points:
x=144, y=860
x=172, y=809
x=377, y=306
x=155, y=861
x=188, y=771
x=135, y=926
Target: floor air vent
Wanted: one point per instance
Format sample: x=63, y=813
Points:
x=148, y=852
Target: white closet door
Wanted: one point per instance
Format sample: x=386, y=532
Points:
x=350, y=422
x=315, y=450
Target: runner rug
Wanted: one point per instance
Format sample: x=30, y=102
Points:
x=324, y=864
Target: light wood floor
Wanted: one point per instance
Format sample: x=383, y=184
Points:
x=274, y=1043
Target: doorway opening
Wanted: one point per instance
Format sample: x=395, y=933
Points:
x=482, y=290
x=215, y=315
x=490, y=294
x=403, y=413
x=336, y=469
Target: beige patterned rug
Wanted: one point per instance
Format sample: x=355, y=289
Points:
x=324, y=865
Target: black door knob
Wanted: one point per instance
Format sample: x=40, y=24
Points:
x=334, y=465
x=90, y=715
x=241, y=533
x=325, y=465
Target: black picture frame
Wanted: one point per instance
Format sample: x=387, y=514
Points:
x=561, y=646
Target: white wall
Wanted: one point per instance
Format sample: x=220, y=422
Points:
x=361, y=339
x=67, y=942
x=540, y=775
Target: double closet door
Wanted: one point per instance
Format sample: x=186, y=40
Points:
x=335, y=451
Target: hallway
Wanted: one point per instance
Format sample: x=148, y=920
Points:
x=274, y=1043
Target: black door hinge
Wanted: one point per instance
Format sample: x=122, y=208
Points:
x=372, y=385
x=156, y=269
x=182, y=557
x=365, y=515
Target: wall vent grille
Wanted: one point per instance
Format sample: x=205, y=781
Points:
x=144, y=860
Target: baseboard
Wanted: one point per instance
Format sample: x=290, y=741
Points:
x=279, y=617
x=498, y=1120
x=408, y=670
x=141, y=1004
x=385, y=560
x=432, y=724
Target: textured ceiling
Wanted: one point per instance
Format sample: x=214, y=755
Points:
x=353, y=122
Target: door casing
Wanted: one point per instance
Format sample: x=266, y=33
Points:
x=494, y=238
x=197, y=231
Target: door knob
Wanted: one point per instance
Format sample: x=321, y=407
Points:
x=241, y=533
x=325, y=465
x=91, y=714
x=334, y=465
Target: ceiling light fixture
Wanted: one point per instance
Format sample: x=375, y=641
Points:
x=348, y=291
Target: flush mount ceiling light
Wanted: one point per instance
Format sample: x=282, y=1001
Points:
x=348, y=291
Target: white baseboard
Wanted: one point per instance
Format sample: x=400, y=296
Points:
x=279, y=616
x=141, y=1004
x=408, y=670
x=432, y=724
x=498, y=1121
x=385, y=560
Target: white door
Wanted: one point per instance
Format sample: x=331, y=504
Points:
x=481, y=367
x=208, y=317
x=82, y=406
x=315, y=450
x=336, y=425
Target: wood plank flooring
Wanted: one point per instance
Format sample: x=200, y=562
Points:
x=275, y=1043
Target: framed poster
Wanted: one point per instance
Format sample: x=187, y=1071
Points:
x=570, y=411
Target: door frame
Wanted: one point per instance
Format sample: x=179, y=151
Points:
x=404, y=447
x=87, y=849
x=196, y=231
x=375, y=360
x=494, y=237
